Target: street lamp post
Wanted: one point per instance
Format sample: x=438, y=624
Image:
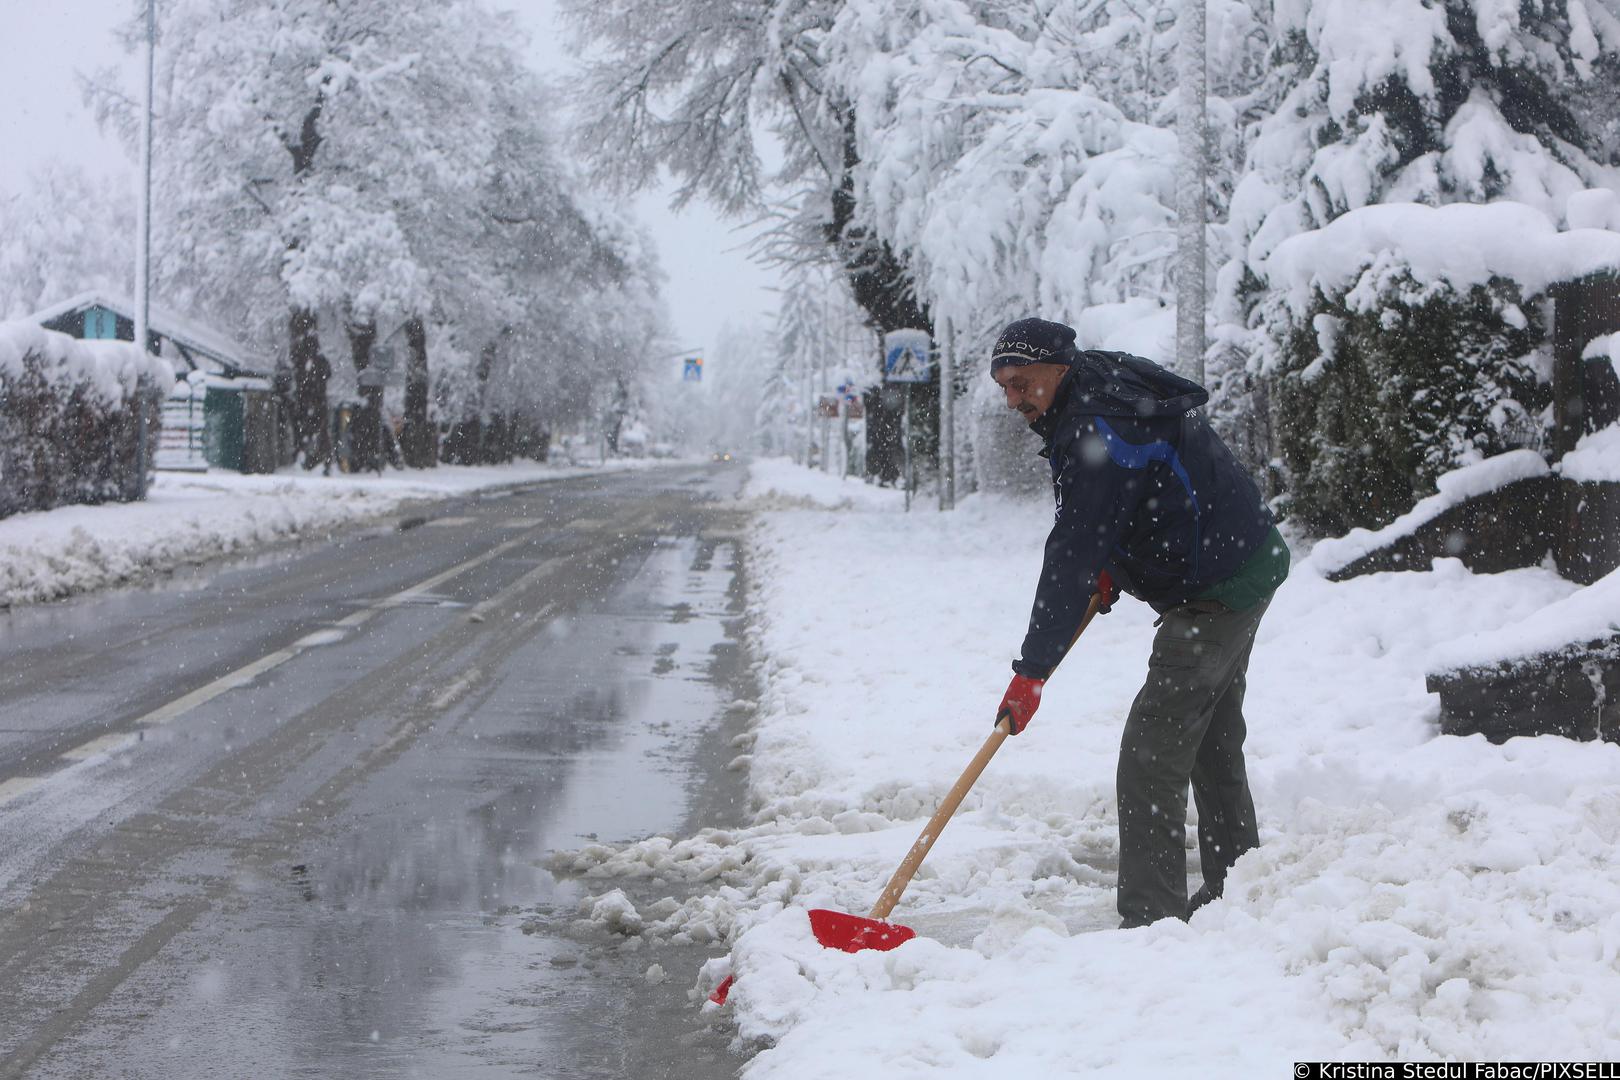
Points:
x=143, y=242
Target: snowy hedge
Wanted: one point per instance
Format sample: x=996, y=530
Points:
x=68, y=431
x=1406, y=341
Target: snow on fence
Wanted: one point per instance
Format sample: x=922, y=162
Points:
x=68, y=431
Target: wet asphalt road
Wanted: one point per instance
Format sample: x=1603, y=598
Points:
x=287, y=817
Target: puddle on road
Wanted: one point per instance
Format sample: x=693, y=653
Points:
x=534, y=976
x=641, y=785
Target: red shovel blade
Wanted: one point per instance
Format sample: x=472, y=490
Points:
x=854, y=933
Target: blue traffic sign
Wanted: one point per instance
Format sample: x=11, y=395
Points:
x=908, y=356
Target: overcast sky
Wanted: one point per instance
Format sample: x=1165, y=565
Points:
x=43, y=44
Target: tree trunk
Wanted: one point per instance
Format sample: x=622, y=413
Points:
x=365, y=434
x=484, y=447
x=311, y=371
x=416, y=438
x=884, y=289
x=310, y=374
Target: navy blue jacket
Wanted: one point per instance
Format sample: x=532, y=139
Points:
x=1145, y=489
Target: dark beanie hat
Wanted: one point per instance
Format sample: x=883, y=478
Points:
x=1033, y=341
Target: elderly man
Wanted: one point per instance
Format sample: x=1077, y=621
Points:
x=1150, y=501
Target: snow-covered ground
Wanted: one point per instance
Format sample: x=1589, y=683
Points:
x=190, y=517
x=1415, y=896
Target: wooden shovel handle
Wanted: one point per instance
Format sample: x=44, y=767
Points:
x=953, y=798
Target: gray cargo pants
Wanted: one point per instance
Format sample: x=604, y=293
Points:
x=1186, y=724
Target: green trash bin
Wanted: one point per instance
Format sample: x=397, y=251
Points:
x=223, y=428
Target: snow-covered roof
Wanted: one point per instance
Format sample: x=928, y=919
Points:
x=189, y=335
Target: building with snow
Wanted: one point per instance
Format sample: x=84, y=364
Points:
x=223, y=411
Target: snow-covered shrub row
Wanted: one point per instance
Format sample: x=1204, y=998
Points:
x=68, y=431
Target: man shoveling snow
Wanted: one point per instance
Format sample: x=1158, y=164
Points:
x=1150, y=501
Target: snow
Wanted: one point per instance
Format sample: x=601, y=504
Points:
x=1455, y=488
x=1461, y=245
x=1595, y=458
x=109, y=368
x=1587, y=615
x=1415, y=896
x=778, y=483
x=189, y=517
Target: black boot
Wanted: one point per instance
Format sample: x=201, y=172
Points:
x=1206, y=893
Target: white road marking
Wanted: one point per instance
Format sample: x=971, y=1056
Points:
x=114, y=741
x=480, y=610
x=242, y=676
x=319, y=637
x=440, y=578
x=17, y=786
x=449, y=522
x=245, y=674
x=517, y=523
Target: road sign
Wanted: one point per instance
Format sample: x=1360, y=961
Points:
x=908, y=357
x=693, y=372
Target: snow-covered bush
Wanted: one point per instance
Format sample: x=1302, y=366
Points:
x=1404, y=341
x=1423, y=350
x=1379, y=394
x=68, y=431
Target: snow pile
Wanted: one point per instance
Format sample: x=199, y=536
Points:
x=1415, y=896
x=1456, y=487
x=776, y=483
x=1595, y=458
x=1460, y=245
x=187, y=518
x=1591, y=614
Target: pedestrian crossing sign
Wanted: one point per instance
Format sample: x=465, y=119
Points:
x=908, y=356
x=693, y=372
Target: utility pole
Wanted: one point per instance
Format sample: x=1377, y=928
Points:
x=143, y=243
x=947, y=420
x=1192, y=131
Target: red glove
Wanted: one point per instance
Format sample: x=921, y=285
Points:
x=1107, y=590
x=1018, y=705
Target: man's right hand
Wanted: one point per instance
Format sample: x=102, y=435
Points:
x=1107, y=590
x=1019, y=703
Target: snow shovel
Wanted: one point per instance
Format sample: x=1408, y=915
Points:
x=852, y=933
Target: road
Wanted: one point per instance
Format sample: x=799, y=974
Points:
x=288, y=817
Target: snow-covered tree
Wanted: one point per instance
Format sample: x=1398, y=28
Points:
x=64, y=232
x=378, y=169
x=694, y=88
x=1021, y=159
x=1374, y=386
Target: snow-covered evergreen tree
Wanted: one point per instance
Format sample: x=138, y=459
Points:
x=1374, y=386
